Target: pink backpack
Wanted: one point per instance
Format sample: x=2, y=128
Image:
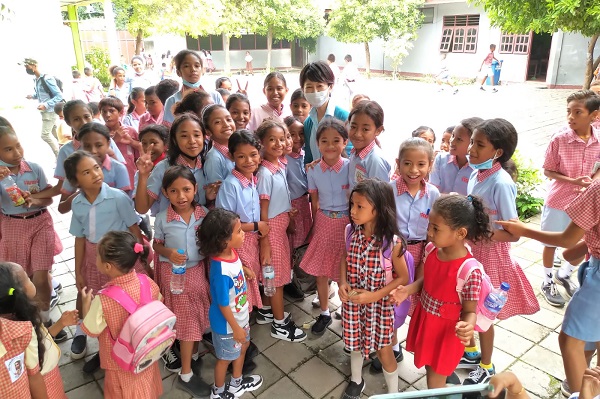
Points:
x=148, y=331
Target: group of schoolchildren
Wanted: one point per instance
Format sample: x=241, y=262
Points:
x=233, y=188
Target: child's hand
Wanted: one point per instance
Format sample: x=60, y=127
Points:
x=80, y=281
x=583, y=181
x=399, y=295
x=265, y=252
x=513, y=226
x=590, y=386
x=4, y=171
x=211, y=190
x=292, y=226
x=176, y=257
x=123, y=136
x=505, y=380
x=362, y=297
x=249, y=273
x=239, y=335
x=69, y=318
x=87, y=296
x=144, y=162
x=263, y=228
x=464, y=332
x=311, y=165
x=29, y=201
x=293, y=212
x=344, y=290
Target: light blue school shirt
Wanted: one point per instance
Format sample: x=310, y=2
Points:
x=177, y=97
x=295, y=173
x=447, y=176
x=218, y=163
x=30, y=177
x=272, y=185
x=331, y=183
x=498, y=191
x=173, y=232
x=115, y=175
x=71, y=147
x=238, y=194
x=156, y=177
x=368, y=163
x=112, y=210
x=412, y=213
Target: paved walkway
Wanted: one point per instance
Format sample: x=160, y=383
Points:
x=317, y=368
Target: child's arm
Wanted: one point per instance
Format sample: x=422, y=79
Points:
x=30, y=201
x=265, y=245
x=68, y=318
x=466, y=326
x=239, y=334
x=37, y=387
x=344, y=287
x=170, y=253
x=79, y=259
x=566, y=239
x=143, y=201
x=64, y=206
x=582, y=181
x=314, y=203
x=49, y=193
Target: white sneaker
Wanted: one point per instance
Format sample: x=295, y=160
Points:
x=249, y=383
x=287, y=332
x=333, y=289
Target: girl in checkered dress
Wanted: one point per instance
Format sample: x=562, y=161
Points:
x=367, y=312
x=443, y=323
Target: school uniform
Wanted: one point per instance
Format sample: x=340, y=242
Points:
x=368, y=163
x=169, y=117
x=447, y=176
x=19, y=358
x=129, y=153
x=266, y=111
x=105, y=320
x=295, y=173
x=132, y=120
x=28, y=236
x=191, y=306
x=498, y=192
x=146, y=119
x=238, y=194
x=324, y=253
x=71, y=147
x=115, y=175
x=272, y=185
x=112, y=210
x=218, y=163
x=310, y=130
x=50, y=370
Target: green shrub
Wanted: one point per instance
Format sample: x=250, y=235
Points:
x=99, y=59
x=528, y=180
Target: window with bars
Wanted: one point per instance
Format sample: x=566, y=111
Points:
x=459, y=34
x=515, y=44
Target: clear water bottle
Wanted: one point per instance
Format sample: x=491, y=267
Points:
x=495, y=301
x=10, y=186
x=269, y=280
x=178, y=275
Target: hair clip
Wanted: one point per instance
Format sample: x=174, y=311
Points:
x=470, y=198
x=138, y=248
x=11, y=291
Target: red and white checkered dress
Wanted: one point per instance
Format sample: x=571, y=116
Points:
x=302, y=221
x=431, y=334
x=250, y=257
x=16, y=337
x=368, y=327
x=28, y=242
x=54, y=384
x=324, y=253
x=280, y=248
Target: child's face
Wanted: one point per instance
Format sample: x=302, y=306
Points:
x=240, y=112
x=361, y=210
x=296, y=130
x=226, y=84
x=140, y=104
x=190, y=69
x=357, y=99
x=459, y=142
x=137, y=66
x=274, y=143
x=11, y=151
x=246, y=158
x=158, y=146
x=362, y=131
x=313, y=87
x=220, y=125
x=289, y=143
x=300, y=109
x=120, y=77
x=111, y=116
x=414, y=166
x=237, y=236
x=189, y=138
x=428, y=137
x=331, y=145
x=180, y=194
x=89, y=174
x=440, y=234
x=275, y=90
x=481, y=149
x=78, y=117
x=445, y=143
x=153, y=105
x=96, y=144
x=579, y=117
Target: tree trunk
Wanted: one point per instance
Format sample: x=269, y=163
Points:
x=269, y=48
x=590, y=64
x=138, y=42
x=368, y=58
x=227, y=67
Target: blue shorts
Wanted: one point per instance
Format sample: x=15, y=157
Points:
x=581, y=320
x=225, y=346
x=555, y=220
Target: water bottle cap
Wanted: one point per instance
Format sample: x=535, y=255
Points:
x=504, y=286
x=181, y=252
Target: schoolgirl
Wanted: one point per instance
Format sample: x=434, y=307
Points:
x=219, y=125
x=275, y=89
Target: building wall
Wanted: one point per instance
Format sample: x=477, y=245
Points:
x=280, y=58
x=568, y=59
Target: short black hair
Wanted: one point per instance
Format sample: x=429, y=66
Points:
x=71, y=163
x=332, y=123
x=71, y=105
x=590, y=100
x=176, y=171
x=94, y=127
x=242, y=136
x=502, y=135
x=58, y=107
x=165, y=89
x=318, y=72
x=160, y=130
x=220, y=81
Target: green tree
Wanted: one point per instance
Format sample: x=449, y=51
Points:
x=233, y=19
x=99, y=59
x=396, y=48
x=362, y=21
x=577, y=16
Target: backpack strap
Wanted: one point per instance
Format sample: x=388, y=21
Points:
x=145, y=290
x=428, y=249
x=121, y=297
x=45, y=85
x=385, y=252
x=464, y=272
x=348, y=234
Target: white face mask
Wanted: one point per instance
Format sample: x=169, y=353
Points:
x=318, y=98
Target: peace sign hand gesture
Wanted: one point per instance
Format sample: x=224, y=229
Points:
x=144, y=162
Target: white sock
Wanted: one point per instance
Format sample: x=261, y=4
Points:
x=78, y=330
x=186, y=377
x=548, y=275
x=356, y=363
x=55, y=283
x=391, y=380
x=279, y=321
x=266, y=307
x=396, y=347
x=325, y=312
x=45, y=315
x=565, y=270
x=195, y=356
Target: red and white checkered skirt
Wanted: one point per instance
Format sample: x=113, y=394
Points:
x=281, y=257
x=28, y=242
x=249, y=255
x=58, y=247
x=501, y=267
x=302, y=222
x=323, y=256
x=119, y=384
x=54, y=384
x=191, y=306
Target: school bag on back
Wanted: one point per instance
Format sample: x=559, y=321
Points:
x=148, y=331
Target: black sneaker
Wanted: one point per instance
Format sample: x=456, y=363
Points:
x=249, y=383
x=338, y=313
x=195, y=386
x=551, y=295
x=79, y=347
x=569, y=286
x=92, y=365
x=565, y=389
x=321, y=325
x=265, y=316
x=61, y=336
x=479, y=376
x=376, y=366
x=293, y=292
x=469, y=362
x=145, y=226
x=252, y=351
x=197, y=366
x=54, y=301
x=453, y=379
x=172, y=359
x=494, y=90
x=287, y=332
x=353, y=390
x=481, y=88
x=347, y=351
x=58, y=289
x=222, y=395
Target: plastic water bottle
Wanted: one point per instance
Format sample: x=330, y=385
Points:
x=178, y=275
x=269, y=280
x=496, y=300
x=10, y=186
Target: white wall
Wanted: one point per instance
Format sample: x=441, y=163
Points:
x=568, y=59
x=280, y=58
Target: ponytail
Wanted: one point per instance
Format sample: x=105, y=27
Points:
x=467, y=212
x=480, y=229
